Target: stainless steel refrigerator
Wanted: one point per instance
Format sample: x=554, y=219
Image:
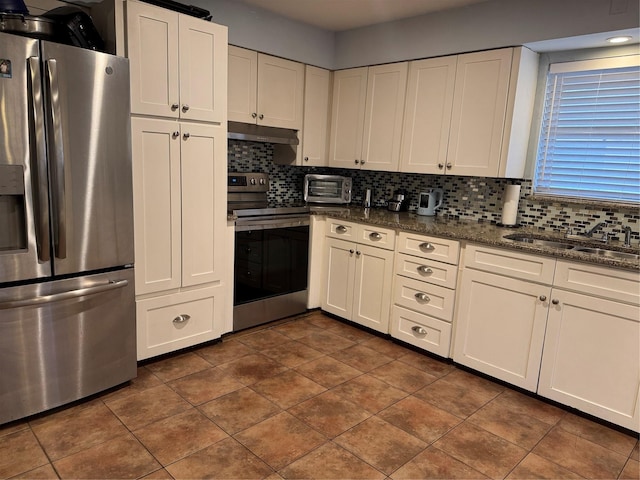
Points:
x=67, y=310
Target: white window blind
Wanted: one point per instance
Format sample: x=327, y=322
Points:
x=590, y=136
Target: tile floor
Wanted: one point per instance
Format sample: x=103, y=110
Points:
x=312, y=397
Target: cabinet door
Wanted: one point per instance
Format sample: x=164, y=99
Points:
x=347, y=117
x=427, y=115
x=280, y=92
x=338, y=277
x=203, y=151
x=156, y=204
x=203, y=70
x=386, y=88
x=317, y=87
x=242, y=86
x=479, y=109
x=500, y=327
x=372, y=287
x=152, y=48
x=590, y=359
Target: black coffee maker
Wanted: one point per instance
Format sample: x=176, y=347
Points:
x=399, y=202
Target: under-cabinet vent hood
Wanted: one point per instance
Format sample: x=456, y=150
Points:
x=260, y=133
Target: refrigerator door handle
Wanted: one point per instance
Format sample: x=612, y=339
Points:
x=56, y=297
x=41, y=212
x=57, y=161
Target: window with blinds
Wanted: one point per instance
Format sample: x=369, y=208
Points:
x=589, y=145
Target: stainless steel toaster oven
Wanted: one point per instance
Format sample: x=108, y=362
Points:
x=327, y=189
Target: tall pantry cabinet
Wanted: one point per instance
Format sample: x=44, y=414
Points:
x=179, y=148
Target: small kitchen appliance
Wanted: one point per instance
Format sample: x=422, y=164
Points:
x=334, y=189
x=430, y=201
x=399, y=202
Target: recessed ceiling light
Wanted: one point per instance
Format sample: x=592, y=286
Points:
x=618, y=39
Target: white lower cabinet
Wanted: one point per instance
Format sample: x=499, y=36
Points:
x=357, y=276
x=500, y=326
x=170, y=322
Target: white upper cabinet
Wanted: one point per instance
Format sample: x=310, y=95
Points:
x=367, y=114
x=427, y=114
x=470, y=114
x=177, y=64
x=317, y=97
x=265, y=90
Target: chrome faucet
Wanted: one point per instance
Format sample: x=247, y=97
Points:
x=589, y=233
x=627, y=236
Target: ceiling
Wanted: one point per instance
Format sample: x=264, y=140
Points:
x=338, y=15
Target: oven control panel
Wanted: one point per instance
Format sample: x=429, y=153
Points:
x=248, y=182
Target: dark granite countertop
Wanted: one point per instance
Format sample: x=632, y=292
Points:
x=482, y=233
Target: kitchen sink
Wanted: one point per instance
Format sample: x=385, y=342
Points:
x=602, y=252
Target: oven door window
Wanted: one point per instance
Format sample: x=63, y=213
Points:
x=270, y=262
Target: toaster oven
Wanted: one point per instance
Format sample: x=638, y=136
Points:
x=327, y=189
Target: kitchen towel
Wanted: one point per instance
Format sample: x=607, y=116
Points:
x=510, y=205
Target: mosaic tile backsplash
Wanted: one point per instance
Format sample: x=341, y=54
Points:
x=470, y=198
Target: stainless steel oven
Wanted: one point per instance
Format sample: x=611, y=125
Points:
x=271, y=253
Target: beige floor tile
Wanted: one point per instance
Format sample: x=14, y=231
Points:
x=145, y=379
x=239, y=410
x=292, y=353
x=122, y=457
x=385, y=347
x=350, y=332
x=223, y=352
x=226, y=459
x=263, y=339
x=529, y=406
x=635, y=454
x=369, y=393
x=13, y=427
x=178, y=366
x=381, y=444
x=580, y=455
x=460, y=400
x=61, y=436
x=328, y=371
x=331, y=462
x=160, y=474
x=321, y=320
x=330, y=414
x=288, y=388
x=438, y=367
x=402, y=376
x=362, y=358
x=489, y=454
x=420, y=419
x=631, y=470
x=46, y=472
x=435, y=464
x=20, y=453
x=148, y=406
x=176, y=437
x=536, y=467
x=298, y=329
x=206, y=385
x=280, y=440
x=596, y=433
x=326, y=341
x=252, y=368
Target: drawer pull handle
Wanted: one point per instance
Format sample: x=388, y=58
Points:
x=341, y=229
x=375, y=236
x=419, y=330
x=427, y=246
x=422, y=296
x=181, y=318
x=424, y=269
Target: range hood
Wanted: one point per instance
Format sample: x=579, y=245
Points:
x=259, y=133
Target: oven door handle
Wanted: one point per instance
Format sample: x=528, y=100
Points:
x=261, y=224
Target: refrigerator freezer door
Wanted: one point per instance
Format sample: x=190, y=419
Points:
x=88, y=124
x=64, y=340
x=24, y=215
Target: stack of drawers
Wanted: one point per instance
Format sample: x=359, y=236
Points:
x=424, y=291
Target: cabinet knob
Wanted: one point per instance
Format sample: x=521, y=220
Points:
x=185, y=108
x=306, y=159
x=423, y=297
x=419, y=330
x=261, y=116
x=254, y=115
x=186, y=135
x=341, y=229
x=358, y=252
x=449, y=166
x=174, y=106
x=441, y=166
x=357, y=161
x=351, y=251
x=426, y=246
x=175, y=134
x=424, y=269
x=542, y=298
x=181, y=318
x=555, y=301
x=361, y=162
x=375, y=236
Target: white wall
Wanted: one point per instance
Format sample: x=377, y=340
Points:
x=491, y=24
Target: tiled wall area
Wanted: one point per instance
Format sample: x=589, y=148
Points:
x=472, y=198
